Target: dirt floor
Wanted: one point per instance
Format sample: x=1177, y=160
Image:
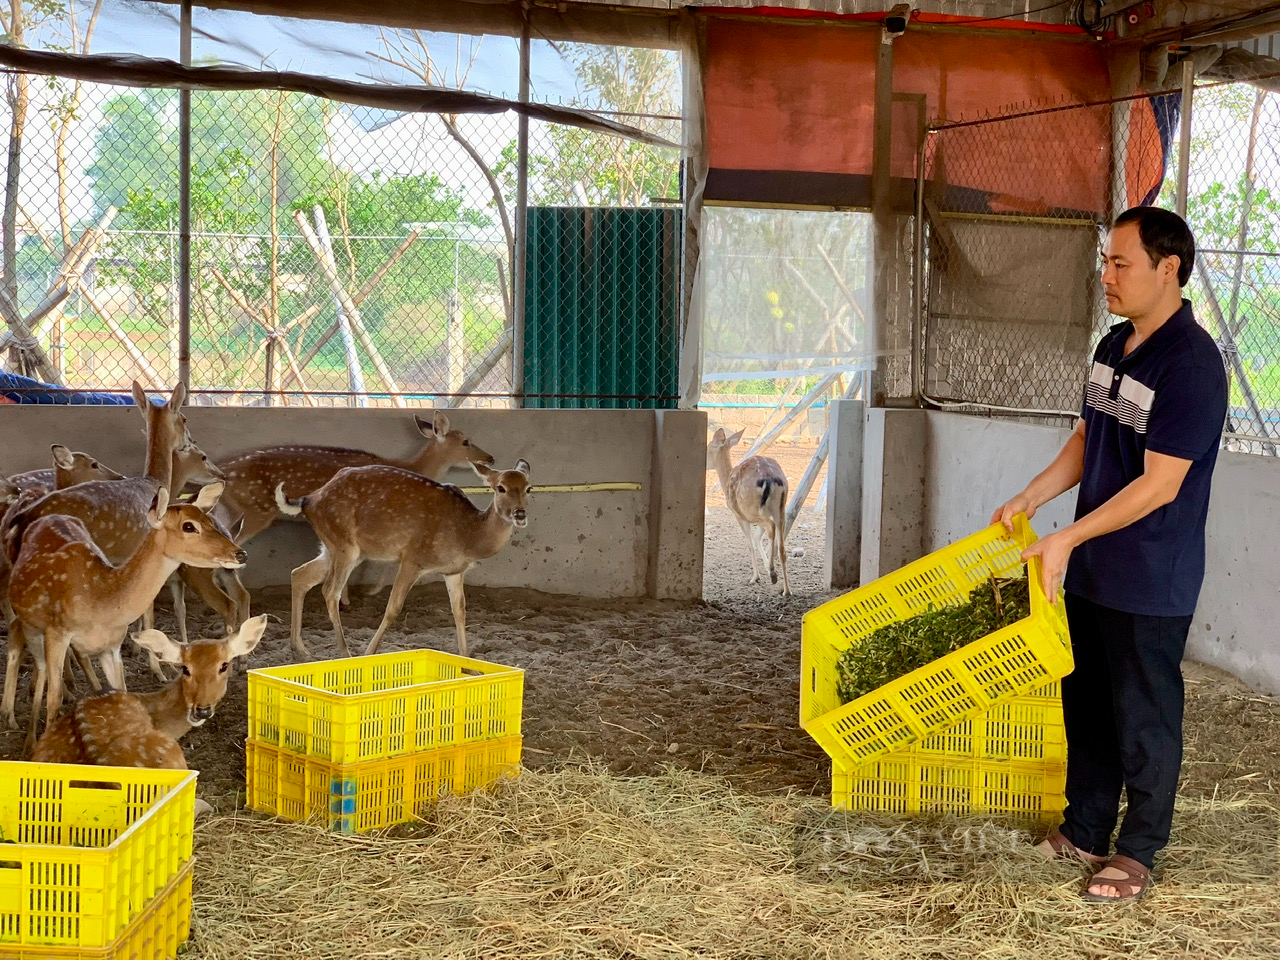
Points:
x=639, y=684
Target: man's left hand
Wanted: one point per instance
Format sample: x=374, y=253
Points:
x=1054, y=551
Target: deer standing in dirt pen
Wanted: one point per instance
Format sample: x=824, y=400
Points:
x=756, y=492
x=63, y=586
x=385, y=513
x=142, y=729
x=252, y=478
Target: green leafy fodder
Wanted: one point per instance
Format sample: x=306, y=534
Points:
x=896, y=649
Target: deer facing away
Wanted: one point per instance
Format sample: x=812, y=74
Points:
x=63, y=586
x=252, y=478
x=756, y=491
x=142, y=729
x=385, y=513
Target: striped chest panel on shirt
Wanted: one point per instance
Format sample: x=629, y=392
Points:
x=1119, y=395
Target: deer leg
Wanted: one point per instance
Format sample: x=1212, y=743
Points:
x=406, y=577
x=340, y=567
x=302, y=580
x=782, y=557
x=37, y=691
x=17, y=646
x=769, y=538
x=55, y=653
x=178, y=592
x=240, y=597
x=751, y=548
x=458, y=602
x=113, y=668
x=205, y=583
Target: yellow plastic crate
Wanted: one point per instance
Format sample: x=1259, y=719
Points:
x=1007, y=663
x=916, y=783
x=378, y=793
x=371, y=708
x=1026, y=729
x=155, y=934
x=86, y=849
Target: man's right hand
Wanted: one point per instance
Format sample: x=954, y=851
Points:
x=1019, y=504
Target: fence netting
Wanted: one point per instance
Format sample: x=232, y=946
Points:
x=340, y=253
x=1013, y=302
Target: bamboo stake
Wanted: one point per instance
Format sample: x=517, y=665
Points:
x=353, y=313
x=490, y=361
x=136, y=355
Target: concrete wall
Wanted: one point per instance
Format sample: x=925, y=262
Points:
x=967, y=466
x=597, y=544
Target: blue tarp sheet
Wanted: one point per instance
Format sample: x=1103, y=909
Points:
x=25, y=390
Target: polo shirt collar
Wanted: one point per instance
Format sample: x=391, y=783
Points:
x=1179, y=321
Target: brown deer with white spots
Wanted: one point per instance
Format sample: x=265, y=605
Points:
x=252, y=478
x=62, y=585
x=142, y=729
x=756, y=491
x=385, y=513
x=69, y=468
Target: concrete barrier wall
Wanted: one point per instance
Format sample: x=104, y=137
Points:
x=971, y=465
x=598, y=544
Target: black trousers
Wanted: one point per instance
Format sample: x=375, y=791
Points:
x=1123, y=707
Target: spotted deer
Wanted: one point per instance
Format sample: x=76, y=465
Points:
x=142, y=729
x=69, y=468
x=389, y=514
x=63, y=586
x=756, y=491
x=252, y=478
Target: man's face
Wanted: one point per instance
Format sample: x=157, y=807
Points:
x=1132, y=285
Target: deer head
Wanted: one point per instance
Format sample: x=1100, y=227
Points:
x=73, y=467
x=192, y=536
x=454, y=445
x=205, y=665
x=511, y=490
x=719, y=442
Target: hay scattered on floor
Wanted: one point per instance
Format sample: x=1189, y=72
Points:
x=578, y=863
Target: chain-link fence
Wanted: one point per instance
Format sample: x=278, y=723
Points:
x=785, y=315
x=349, y=255
x=1014, y=213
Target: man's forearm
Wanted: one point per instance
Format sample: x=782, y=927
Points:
x=1143, y=496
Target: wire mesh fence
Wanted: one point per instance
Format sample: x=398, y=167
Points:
x=1015, y=209
x=346, y=255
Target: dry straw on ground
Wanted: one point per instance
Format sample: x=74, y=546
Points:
x=578, y=863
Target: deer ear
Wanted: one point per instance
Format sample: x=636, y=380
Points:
x=440, y=424
x=523, y=466
x=155, y=516
x=159, y=644
x=718, y=436
x=62, y=457
x=234, y=532
x=736, y=437
x=179, y=396
x=485, y=472
x=209, y=495
x=251, y=631
x=140, y=398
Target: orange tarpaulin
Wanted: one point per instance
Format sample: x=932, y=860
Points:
x=790, y=112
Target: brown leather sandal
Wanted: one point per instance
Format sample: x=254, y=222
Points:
x=1132, y=886
x=1064, y=848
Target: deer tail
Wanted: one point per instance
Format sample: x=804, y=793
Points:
x=290, y=508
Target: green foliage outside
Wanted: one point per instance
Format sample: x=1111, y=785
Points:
x=1230, y=208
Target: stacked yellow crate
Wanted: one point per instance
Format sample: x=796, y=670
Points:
x=367, y=742
x=96, y=861
x=976, y=732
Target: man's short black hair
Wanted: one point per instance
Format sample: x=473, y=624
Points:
x=1163, y=234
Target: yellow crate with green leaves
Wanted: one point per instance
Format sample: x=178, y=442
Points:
x=86, y=850
x=1008, y=663
x=358, y=709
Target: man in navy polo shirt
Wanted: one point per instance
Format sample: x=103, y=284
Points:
x=1143, y=454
